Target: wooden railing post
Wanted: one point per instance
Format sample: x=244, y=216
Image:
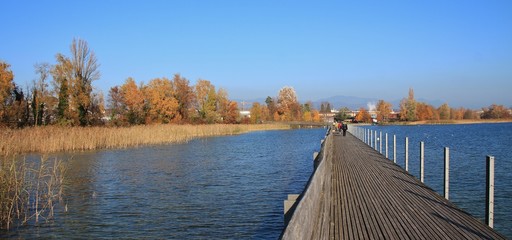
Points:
x=489, y=193
x=446, y=172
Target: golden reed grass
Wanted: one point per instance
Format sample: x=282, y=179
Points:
x=49, y=139
x=28, y=190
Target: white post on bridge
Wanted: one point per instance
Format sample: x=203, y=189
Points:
x=394, y=148
x=406, y=154
x=380, y=142
x=489, y=193
x=376, y=138
x=446, y=172
x=422, y=162
x=387, y=146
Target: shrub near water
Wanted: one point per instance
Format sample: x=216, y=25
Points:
x=53, y=139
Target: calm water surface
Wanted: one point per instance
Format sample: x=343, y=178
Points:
x=213, y=188
x=469, y=145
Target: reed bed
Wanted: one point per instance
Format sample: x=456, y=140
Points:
x=50, y=139
x=29, y=190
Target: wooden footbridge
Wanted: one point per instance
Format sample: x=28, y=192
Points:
x=356, y=193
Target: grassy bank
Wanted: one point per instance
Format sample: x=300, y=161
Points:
x=54, y=139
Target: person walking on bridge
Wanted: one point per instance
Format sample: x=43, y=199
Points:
x=344, y=127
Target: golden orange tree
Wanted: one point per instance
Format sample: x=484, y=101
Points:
x=426, y=112
x=161, y=104
x=363, y=116
x=256, y=113
x=6, y=86
x=185, y=95
x=133, y=100
x=384, y=109
x=288, y=106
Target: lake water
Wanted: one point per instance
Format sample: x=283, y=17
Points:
x=229, y=187
x=233, y=187
x=469, y=145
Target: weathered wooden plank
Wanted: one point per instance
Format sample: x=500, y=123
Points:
x=383, y=201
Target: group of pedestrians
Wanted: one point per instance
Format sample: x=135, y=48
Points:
x=340, y=126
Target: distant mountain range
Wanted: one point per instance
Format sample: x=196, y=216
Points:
x=337, y=102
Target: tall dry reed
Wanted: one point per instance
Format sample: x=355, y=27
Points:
x=54, y=138
x=28, y=191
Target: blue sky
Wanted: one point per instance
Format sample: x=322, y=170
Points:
x=459, y=52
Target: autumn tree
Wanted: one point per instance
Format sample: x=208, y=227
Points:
x=6, y=86
x=307, y=107
x=288, y=106
x=363, y=116
x=133, y=99
x=426, y=112
x=457, y=113
x=61, y=73
x=161, y=105
x=117, y=106
x=256, y=113
x=495, y=112
x=306, y=111
x=17, y=111
x=408, y=107
x=74, y=76
x=232, y=113
x=315, y=115
x=307, y=116
x=444, y=112
x=14, y=108
x=469, y=114
x=97, y=108
x=85, y=70
x=384, y=109
x=184, y=93
x=272, y=108
x=227, y=109
x=206, y=104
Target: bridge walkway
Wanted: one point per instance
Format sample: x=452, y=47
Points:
x=370, y=197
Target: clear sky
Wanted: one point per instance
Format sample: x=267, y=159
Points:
x=456, y=51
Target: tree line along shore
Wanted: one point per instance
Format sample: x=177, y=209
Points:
x=61, y=111
x=63, y=94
